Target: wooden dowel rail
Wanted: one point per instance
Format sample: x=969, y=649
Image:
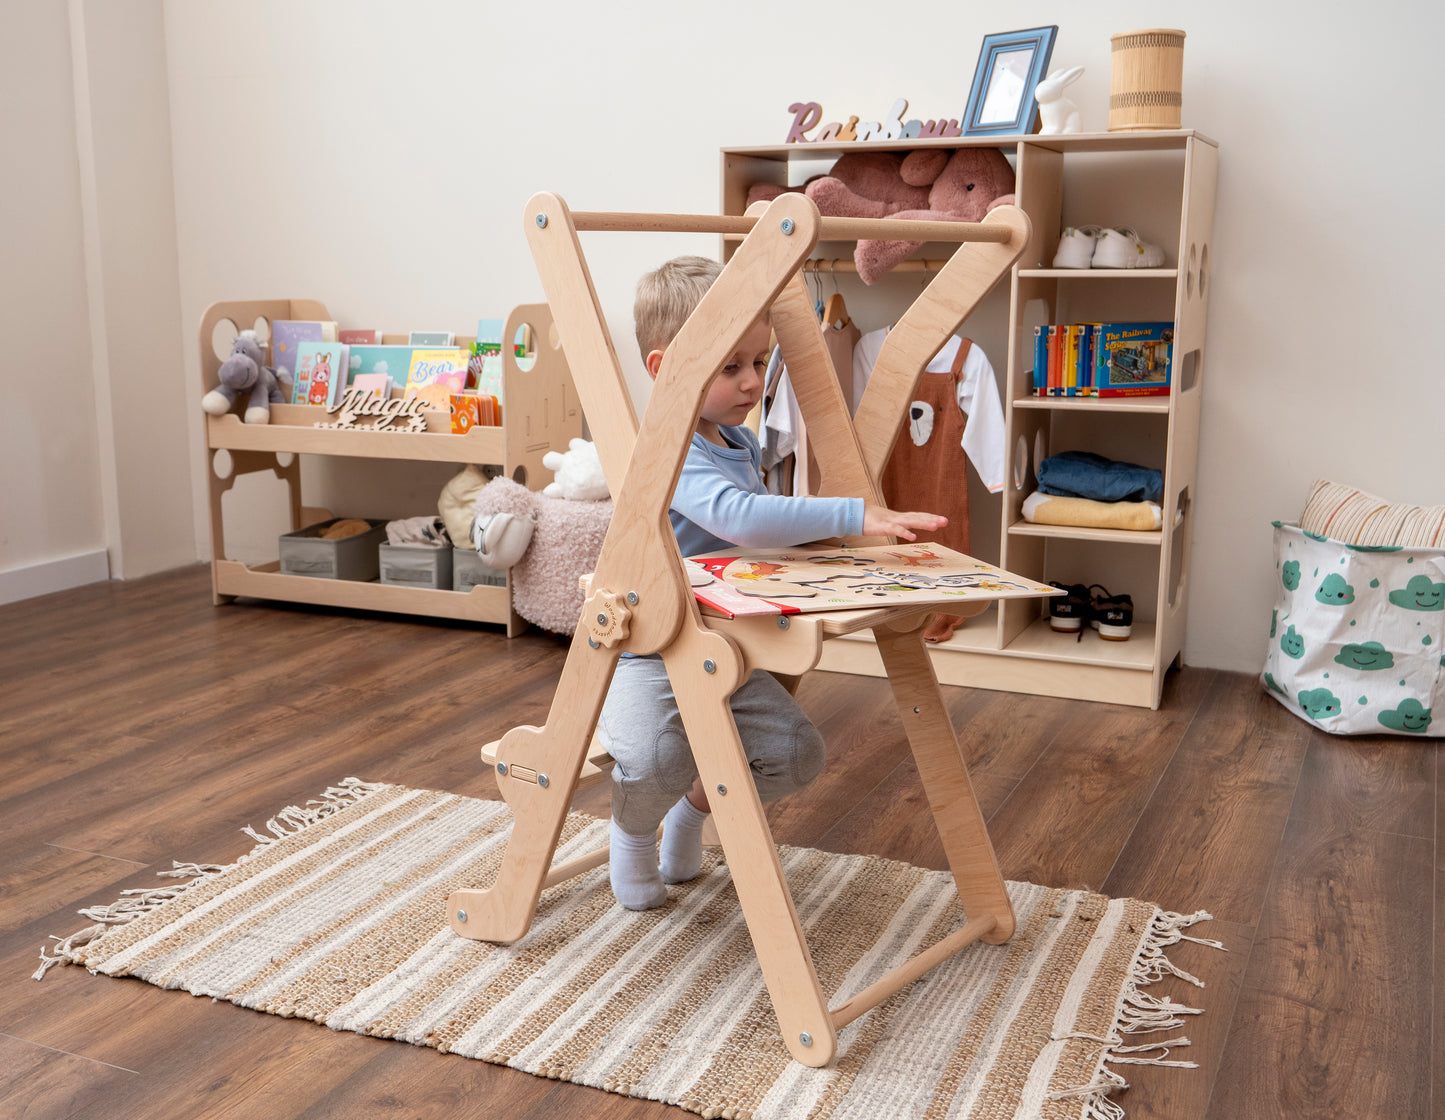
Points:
x=829, y=229
x=574, y=867
x=824, y=266
x=871, y=996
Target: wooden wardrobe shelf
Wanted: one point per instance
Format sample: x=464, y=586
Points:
x=1061, y=181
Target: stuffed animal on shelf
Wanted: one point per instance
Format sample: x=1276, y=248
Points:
x=578, y=472
x=548, y=543
x=927, y=184
x=1057, y=113
x=243, y=373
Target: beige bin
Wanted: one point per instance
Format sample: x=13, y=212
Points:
x=1146, y=81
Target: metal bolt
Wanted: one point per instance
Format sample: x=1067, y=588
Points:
x=722, y=790
x=502, y=769
x=462, y=916
x=709, y=666
x=541, y=221
x=806, y=1039
x=601, y=620
x=787, y=227
x=916, y=711
x=593, y=644
x=632, y=598
x=542, y=780
x=783, y=622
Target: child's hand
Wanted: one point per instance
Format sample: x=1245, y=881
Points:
x=881, y=522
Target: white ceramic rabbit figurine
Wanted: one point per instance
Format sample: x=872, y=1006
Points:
x=1056, y=111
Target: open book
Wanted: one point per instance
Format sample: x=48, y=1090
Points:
x=790, y=580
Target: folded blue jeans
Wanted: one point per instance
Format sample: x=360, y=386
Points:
x=1082, y=474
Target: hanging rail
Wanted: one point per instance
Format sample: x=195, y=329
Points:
x=829, y=229
x=823, y=266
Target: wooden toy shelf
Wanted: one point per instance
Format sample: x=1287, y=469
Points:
x=540, y=413
x=1094, y=178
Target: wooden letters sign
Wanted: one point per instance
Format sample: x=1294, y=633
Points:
x=359, y=403
x=807, y=114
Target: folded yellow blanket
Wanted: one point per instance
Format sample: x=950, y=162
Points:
x=1051, y=509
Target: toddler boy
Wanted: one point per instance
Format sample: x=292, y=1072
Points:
x=720, y=502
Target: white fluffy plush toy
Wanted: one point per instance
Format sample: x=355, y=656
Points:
x=578, y=473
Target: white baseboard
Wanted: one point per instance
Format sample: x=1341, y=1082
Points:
x=54, y=575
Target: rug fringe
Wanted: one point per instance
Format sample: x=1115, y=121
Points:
x=1141, y=1012
x=142, y=900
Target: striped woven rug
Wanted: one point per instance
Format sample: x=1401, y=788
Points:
x=337, y=915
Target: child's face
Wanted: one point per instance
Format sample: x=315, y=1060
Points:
x=739, y=386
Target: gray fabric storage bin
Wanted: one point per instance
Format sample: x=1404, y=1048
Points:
x=468, y=571
x=305, y=552
x=416, y=565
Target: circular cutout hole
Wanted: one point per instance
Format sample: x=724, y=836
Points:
x=285, y=458
x=223, y=335
x=1189, y=272
x=520, y=475
x=222, y=465
x=1021, y=464
x=554, y=337
x=524, y=346
x=262, y=327
x=1041, y=450
x=1203, y=269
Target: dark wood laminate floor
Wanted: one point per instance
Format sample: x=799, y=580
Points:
x=138, y=724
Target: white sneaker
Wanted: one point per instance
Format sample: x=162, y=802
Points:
x=1076, y=247
x=1122, y=248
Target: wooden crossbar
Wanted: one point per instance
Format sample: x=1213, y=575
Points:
x=829, y=229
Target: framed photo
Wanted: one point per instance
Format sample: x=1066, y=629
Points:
x=1001, y=101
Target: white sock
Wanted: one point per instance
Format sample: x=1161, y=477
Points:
x=632, y=865
x=682, y=842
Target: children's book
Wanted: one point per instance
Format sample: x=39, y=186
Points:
x=1041, y=360
x=445, y=368
x=394, y=361
x=320, y=376
x=287, y=334
x=485, y=358
x=431, y=339
x=359, y=337
x=1134, y=359
x=805, y=579
x=372, y=383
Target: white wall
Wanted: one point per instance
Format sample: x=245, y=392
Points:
x=378, y=158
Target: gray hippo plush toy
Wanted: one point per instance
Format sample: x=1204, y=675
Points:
x=243, y=373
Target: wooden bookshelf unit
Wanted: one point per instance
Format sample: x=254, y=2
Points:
x=540, y=413
x=1103, y=179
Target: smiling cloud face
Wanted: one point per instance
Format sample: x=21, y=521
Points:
x=1420, y=594
x=1319, y=703
x=1365, y=655
x=1292, y=643
x=1410, y=716
x=1335, y=591
x=1289, y=574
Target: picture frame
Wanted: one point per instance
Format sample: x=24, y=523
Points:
x=1010, y=65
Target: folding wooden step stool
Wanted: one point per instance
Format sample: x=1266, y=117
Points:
x=640, y=600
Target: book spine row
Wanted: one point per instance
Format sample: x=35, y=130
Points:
x=1102, y=359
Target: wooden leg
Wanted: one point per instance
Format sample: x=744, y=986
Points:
x=540, y=767
x=767, y=905
x=945, y=779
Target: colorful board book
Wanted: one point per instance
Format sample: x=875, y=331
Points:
x=486, y=358
x=1134, y=359
x=436, y=374
x=393, y=361
x=792, y=580
x=288, y=334
x=430, y=339
x=355, y=337
x=321, y=373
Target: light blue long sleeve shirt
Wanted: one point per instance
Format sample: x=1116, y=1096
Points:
x=721, y=502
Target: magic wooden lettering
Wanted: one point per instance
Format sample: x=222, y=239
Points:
x=358, y=403
x=807, y=114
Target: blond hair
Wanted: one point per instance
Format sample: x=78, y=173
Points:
x=667, y=296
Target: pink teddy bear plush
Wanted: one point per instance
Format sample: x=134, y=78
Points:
x=928, y=184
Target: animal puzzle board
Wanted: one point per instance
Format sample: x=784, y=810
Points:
x=791, y=580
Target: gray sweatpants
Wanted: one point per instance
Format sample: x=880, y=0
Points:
x=641, y=728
